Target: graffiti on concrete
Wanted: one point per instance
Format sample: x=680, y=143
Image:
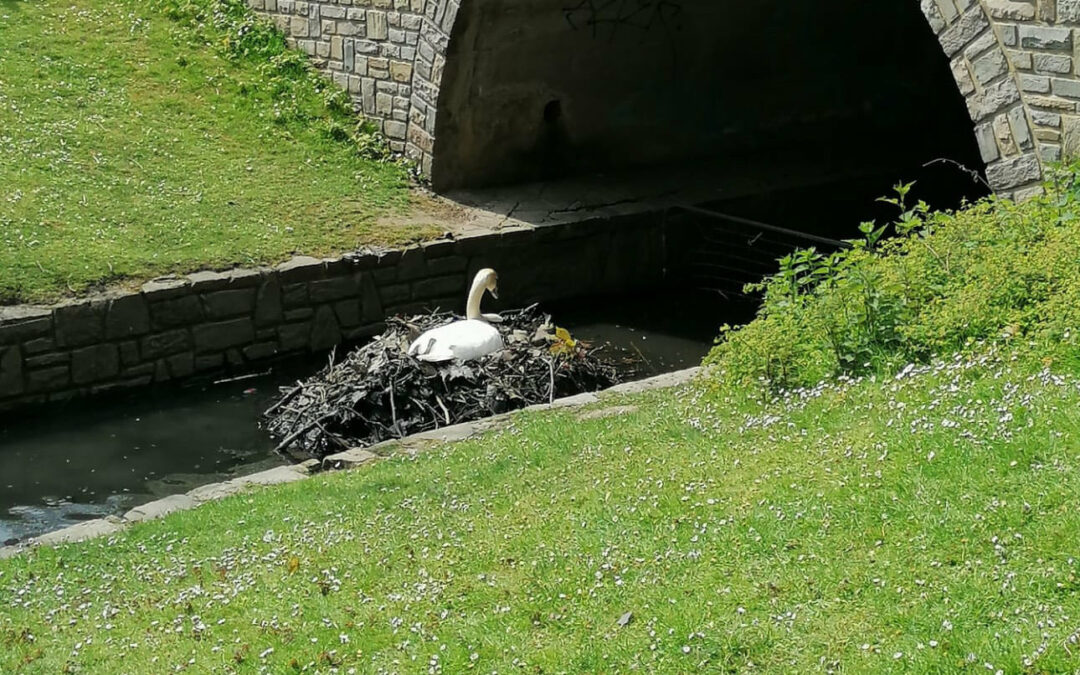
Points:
x=608, y=18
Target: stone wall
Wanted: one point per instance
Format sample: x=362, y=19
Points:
x=389, y=54
x=1013, y=61
x=216, y=322
x=1040, y=39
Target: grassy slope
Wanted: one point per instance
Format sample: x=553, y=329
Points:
x=924, y=524
x=129, y=147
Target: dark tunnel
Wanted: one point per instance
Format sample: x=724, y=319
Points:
x=551, y=89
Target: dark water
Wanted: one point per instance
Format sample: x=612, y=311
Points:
x=86, y=460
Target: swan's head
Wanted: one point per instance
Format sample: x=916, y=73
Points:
x=488, y=280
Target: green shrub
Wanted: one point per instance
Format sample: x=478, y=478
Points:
x=994, y=271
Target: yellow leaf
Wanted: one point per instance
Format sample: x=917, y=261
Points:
x=294, y=565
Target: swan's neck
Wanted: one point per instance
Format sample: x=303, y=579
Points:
x=472, y=307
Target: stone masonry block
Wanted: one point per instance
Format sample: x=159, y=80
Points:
x=1014, y=172
x=377, y=28
x=348, y=312
x=80, y=324
x=436, y=287
x=1020, y=129
x=1052, y=63
x=944, y=8
x=294, y=336
x=1003, y=134
x=181, y=365
x=165, y=287
x=224, y=304
x=989, y=66
x=325, y=331
x=962, y=75
x=1045, y=37
x=1020, y=60
x=127, y=316
x=400, y=72
x=1039, y=84
x=182, y=311
x=268, y=303
x=984, y=134
x=957, y=36
x=1050, y=152
x=993, y=98
x=336, y=288
x=204, y=281
x=1070, y=136
x=1014, y=10
x=24, y=325
x=300, y=268
x=48, y=379
x=933, y=15
x=1046, y=119
x=1068, y=11
x=94, y=364
x=169, y=342
x=11, y=380
x=1066, y=88
x=294, y=295
x=214, y=337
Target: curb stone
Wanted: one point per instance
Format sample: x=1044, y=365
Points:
x=159, y=508
x=348, y=459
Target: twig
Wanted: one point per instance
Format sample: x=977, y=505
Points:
x=975, y=176
x=308, y=427
x=551, y=381
x=446, y=413
x=238, y=378
x=289, y=396
x=393, y=408
x=647, y=362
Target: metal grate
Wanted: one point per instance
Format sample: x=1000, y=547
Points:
x=723, y=253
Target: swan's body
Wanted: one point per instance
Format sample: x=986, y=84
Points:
x=464, y=340
x=461, y=340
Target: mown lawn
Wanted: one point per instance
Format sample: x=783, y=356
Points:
x=133, y=145
x=920, y=524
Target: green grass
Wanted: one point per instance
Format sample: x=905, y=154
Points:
x=133, y=145
x=926, y=524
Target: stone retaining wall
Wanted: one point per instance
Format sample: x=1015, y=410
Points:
x=216, y=322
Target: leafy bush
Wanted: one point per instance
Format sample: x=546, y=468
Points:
x=994, y=271
x=298, y=93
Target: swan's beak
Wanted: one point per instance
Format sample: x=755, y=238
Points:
x=495, y=292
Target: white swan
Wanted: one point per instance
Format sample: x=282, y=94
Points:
x=464, y=340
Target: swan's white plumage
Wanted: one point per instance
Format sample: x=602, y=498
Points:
x=462, y=340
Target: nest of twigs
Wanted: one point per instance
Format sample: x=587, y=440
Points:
x=379, y=392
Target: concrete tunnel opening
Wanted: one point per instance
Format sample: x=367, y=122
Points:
x=543, y=90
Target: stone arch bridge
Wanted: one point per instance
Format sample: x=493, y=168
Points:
x=487, y=91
